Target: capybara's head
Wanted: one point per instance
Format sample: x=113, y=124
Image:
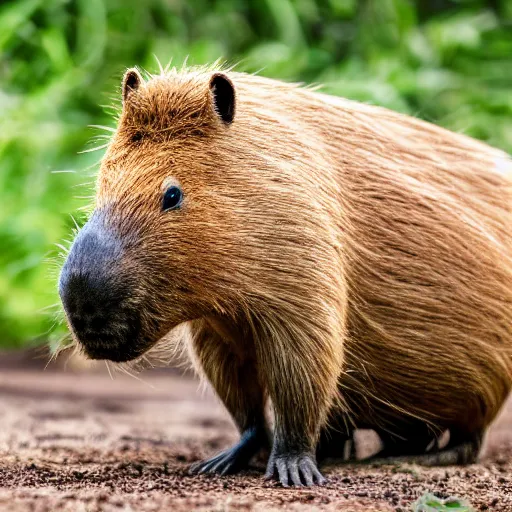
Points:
x=161, y=246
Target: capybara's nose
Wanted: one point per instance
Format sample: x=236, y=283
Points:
x=97, y=314
x=96, y=298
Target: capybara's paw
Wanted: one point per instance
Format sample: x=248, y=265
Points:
x=294, y=469
x=237, y=457
x=228, y=462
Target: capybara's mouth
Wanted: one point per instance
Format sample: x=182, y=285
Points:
x=118, y=341
x=122, y=352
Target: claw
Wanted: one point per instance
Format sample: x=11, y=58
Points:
x=282, y=470
x=222, y=464
x=293, y=470
x=233, y=459
x=306, y=473
x=228, y=469
x=297, y=470
x=320, y=479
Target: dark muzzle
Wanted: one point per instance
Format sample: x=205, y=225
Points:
x=97, y=295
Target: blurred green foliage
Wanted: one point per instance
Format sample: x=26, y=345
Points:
x=448, y=61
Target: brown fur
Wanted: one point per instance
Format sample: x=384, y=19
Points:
x=344, y=260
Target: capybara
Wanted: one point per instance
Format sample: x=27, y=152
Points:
x=349, y=264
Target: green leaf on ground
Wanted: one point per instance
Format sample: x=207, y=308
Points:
x=431, y=503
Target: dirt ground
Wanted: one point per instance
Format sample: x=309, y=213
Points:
x=76, y=441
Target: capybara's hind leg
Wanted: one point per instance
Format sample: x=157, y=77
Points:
x=418, y=438
x=336, y=441
x=335, y=445
x=462, y=449
x=236, y=382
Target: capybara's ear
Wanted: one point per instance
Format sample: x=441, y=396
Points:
x=223, y=92
x=131, y=82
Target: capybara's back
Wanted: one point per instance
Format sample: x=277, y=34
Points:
x=352, y=264
x=423, y=217
x=430, y=274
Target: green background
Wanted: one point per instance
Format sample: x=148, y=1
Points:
x=61, y=61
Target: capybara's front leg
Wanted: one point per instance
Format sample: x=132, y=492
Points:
x=302, y=382
x=235, y=380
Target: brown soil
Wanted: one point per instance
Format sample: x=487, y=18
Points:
x=83, y=442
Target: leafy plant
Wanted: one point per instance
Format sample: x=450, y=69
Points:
x=431, y=503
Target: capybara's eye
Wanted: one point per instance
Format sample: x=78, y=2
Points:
x=137, y=137
x=173, y=197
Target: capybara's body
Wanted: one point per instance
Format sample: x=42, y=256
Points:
x=351, y=264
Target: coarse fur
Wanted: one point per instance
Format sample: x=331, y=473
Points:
x=350, y=263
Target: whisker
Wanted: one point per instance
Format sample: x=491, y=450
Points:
x=125, y=370
x=103, y=127
x=108, y=369
x=91, y=150
x=74, y=221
